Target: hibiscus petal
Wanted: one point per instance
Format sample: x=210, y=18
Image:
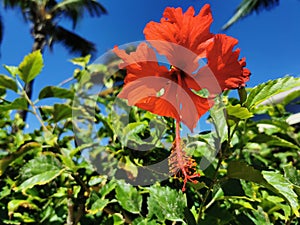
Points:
x=141, y=63
x=224, y=64
x=175, y=101
x=185, y=30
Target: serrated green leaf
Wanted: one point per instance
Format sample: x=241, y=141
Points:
x=7, y=82
x=40, y=179
x=270, y=88
x=128, y=197
x=56, y=92
x=39, y=171
x=238, y=111
x=18, y=103
x=284, y=187
x=13, y=70
x=166, y=204
x=31, y=66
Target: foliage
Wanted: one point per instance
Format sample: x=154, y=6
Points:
x=247, y=7
x=47, y=178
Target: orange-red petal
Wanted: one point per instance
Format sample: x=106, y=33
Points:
x=224, y=65
x=185, y=30
x=141, y=63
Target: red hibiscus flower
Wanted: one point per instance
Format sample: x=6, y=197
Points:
x=155, y=88
x=184, y=39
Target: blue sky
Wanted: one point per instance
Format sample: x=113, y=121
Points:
x=270, y=41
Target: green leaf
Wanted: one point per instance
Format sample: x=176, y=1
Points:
x=7, y=160
x=217, y=113
x=290, y=97
x=273, y=140
x=259, y=217
x=189, y=217
x=107, y=188
x=7, y=82
x=56, y=92
x=130, y=168
x=241, y=170
x=18, y=103
x=14, y=204
x=98, y=206
x=31, y=66
x=39, y=171
x=13, y=70
x=284, y=187
x=266, y=90
x=131, y=132
x=61, y=111
x=166, y=203
x=292, y=174
x=140, y=221
x=242, y=94
x=81, y=61
x=238, y=112
x=128, y=197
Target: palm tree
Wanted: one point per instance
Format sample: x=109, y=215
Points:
x=45, y=15
x=247, y=7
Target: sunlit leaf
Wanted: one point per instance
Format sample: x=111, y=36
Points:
x=270, y=88
x=31, y=66
x=81, y=61
x=39, y=171
x=13, y=70
x=166, y=203
x=284, y=187
x=98, y=206
x=128, y=197
x=14, y=204
x=7, y=82
x=238, y=111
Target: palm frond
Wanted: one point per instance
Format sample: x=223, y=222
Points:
x=74, y=9
x=73, y=42
x=247, y=7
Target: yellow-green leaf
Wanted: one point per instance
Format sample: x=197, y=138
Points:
x=31, y=66
x=7, y=82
